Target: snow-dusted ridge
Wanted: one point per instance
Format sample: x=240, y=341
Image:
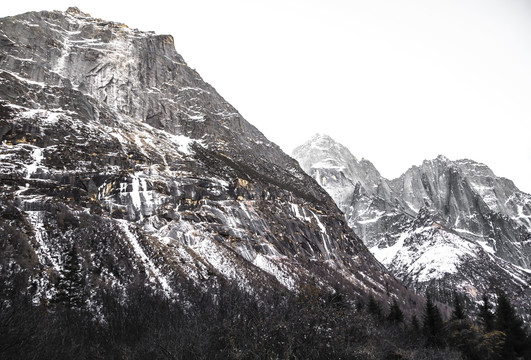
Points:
x=444, y=224
x=120, y=151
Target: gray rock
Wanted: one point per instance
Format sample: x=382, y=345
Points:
x=111, y=142
x=445, y=225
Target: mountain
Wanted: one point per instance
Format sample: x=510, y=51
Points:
x=119, y=166
x=443, y=225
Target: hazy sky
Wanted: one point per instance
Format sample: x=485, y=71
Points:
x=396, y=81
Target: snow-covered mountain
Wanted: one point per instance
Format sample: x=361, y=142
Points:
x=112, y=147
x=445, y=224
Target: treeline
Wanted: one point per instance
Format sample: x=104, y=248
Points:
x=225, y=322
x=497, y=333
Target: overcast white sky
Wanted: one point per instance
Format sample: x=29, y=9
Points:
x=396, y=81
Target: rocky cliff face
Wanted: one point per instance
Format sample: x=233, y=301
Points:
x=444, y=225
x=112, y=148
x=474, y=202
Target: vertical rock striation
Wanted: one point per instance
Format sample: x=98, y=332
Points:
x=113, y=147
x=443, y=225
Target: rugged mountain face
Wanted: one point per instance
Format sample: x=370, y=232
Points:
x=116, y=154
x=445, y=224
x=474, y=202
x=356, y=186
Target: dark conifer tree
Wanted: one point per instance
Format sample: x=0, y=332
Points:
x=485, y=314
x=395, y=313
x=374, y=307
x=506, y=321
x=458, y=313
x=432, y=324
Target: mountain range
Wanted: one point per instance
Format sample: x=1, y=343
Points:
x=143, y=217
x=444, y=225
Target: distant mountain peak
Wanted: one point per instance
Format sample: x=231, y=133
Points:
x=317, y=136
x=323, y=142
x=324, y=146
x=74, y=11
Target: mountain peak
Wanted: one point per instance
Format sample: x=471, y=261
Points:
x=318, y=136
x=324, y=148
x=326, y=145
x=335, y=168
x=74, y=11
x=322, y=141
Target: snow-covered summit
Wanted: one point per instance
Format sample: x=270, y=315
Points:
x=336, y=169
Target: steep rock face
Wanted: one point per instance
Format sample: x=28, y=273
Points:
x=114, y=149
x=335, y=168
x=443, y=225
x=473, y=201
